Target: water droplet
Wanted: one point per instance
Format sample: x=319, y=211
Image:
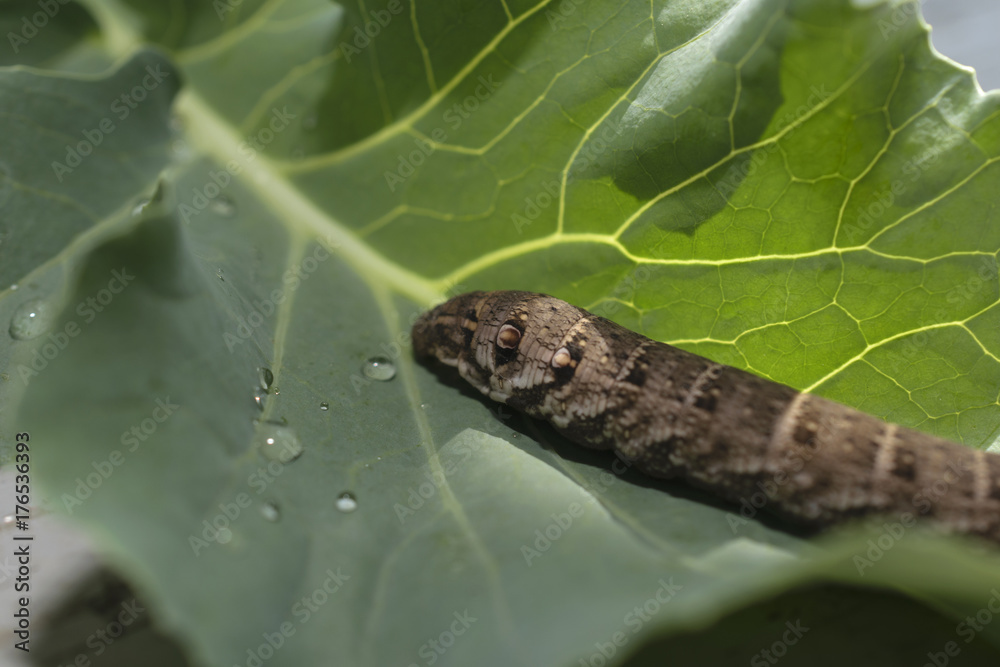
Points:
x=223, y=536
x=260, y=397
x=223, y=206
x=270, y=512
x=278, y=442
x=379, y=368
x=346, y=502
x=13, y=287
x=141, y=206
x=324, y=406
x=277, y=390
x=219, y=273
x=32, y=318
x=265, y=376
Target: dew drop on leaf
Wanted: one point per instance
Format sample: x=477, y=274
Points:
x=260, y=397
x=270, y=512
x=346, y=502
x=278, y=442
x=324, y=406
x=181, y=150
x=223, y=536
x=223, y=206
x=379, y=368
x=32, y=318
x=265, y=376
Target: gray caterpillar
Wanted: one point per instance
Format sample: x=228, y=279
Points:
x=674, y=414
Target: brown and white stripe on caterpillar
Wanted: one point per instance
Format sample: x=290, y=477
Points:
x=672, y=413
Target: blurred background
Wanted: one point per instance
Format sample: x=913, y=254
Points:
x=963, y=31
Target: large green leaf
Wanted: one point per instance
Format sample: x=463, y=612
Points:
x=803, y=189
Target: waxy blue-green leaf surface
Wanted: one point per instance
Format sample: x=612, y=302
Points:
x=803, y=189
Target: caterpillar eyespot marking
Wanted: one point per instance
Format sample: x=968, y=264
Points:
x=508, y=337
x=561, y=358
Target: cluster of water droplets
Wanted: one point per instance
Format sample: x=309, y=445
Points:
x=278, y=442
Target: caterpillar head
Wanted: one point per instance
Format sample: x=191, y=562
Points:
x=446, y=332
x=510, y=345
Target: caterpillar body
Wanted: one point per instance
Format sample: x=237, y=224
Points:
x=674, y=414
